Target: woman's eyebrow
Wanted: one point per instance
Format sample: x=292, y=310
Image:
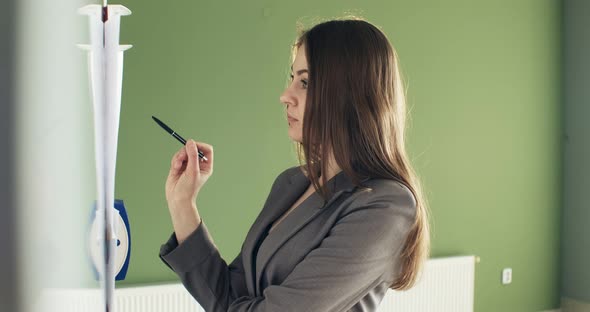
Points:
x=301, y=71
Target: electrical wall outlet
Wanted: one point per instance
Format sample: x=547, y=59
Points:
x=507, y=276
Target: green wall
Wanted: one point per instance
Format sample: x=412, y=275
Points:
x=483, y=82
x=576, y=215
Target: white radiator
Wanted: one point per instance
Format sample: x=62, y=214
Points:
x=446, y=285
x=153, y=298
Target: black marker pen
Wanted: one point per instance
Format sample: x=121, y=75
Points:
x=176, y=135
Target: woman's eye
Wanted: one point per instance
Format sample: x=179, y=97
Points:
x=303, y=81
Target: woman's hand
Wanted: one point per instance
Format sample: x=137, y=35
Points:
x=188, y=173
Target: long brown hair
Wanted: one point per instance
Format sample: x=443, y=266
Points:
x=356, y=106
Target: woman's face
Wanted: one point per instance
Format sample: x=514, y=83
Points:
x=294, y=96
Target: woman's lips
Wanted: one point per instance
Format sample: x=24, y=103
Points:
x=291, y=119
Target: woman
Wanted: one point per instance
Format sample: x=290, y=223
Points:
x=336, y=232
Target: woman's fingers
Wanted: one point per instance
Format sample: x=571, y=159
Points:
x=187, y=159
x=192, y=167
x=206, y=149
x=177, y=160
x=188, y=172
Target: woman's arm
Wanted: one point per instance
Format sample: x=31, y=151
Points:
x=185, y=179
x=206, y=276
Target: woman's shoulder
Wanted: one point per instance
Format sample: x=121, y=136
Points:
x=384, y=192
x=387, y=186
x=286, y=175
x=289, y=172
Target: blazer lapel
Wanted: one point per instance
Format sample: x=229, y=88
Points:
x=276, y=204
x=299, y=217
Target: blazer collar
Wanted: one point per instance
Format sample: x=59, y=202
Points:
x=278, y=202
x=338, y=184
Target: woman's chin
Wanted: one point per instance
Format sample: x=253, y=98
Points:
x=294, y=138
x=292, y=133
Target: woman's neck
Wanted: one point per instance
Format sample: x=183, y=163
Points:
x=331, y=172
x=332, y=169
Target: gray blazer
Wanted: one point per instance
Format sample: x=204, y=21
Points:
x=341, y=256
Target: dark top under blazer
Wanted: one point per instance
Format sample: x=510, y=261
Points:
x=341, y=256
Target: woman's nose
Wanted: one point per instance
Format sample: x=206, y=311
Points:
x=286, y=98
